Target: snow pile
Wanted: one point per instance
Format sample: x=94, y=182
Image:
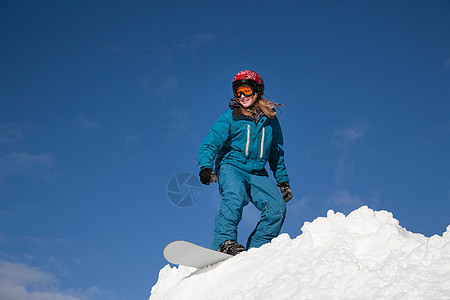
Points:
x=365, y=255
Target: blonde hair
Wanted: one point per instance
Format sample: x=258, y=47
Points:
x=261, y=105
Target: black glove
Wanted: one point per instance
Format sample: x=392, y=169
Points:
x=207, y=176
x=285, y=190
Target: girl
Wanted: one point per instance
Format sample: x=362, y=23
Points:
x=240, y=143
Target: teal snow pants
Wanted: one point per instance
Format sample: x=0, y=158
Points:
x=238, y=188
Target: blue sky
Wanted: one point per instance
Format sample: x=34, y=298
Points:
x=104, y=102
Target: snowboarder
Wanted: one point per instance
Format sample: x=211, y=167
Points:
x=238, y=146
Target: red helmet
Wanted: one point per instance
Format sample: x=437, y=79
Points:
x=250, y=78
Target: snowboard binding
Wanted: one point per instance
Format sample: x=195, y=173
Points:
x=231, y=247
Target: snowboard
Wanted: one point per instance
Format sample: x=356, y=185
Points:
x=192, y=255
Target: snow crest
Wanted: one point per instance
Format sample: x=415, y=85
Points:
x=365, y=255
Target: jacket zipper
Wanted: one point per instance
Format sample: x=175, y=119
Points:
x=262, y=142
x=248, y=140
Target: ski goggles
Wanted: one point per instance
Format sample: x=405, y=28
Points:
x=245, y=90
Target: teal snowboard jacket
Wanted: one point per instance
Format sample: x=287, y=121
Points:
x=240, y=141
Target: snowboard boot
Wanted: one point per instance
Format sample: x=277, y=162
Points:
x=231, y=247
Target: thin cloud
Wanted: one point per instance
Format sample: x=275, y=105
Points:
x=161, y=86
x=343, y=137
x=33, y=240
x=11, y=133
x=343, y=199
x=178, y=124
x=3, y=239
x=86, y=123
x=297, y=206
x=144, y=82
x=21, y=281
x=374, y=200
x=191, y=45
x=198, y=41
x=13, y=159
x=168, y=85
x=133, y=142
x=132, y=147
x=22, y=162
x=439, y=131
x=447, y=63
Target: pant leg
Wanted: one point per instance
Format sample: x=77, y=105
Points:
x=267, y=198
x=233, y=188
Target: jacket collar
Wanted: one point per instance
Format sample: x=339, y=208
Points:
x=237, y=114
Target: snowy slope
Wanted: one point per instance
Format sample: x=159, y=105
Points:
x=365, y=255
